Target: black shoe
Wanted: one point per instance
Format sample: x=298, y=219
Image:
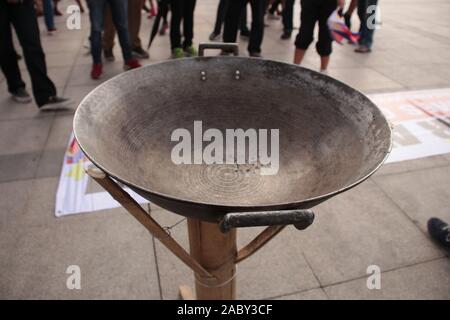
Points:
x=439, y=231
x=286, y=35
x=21, y=95
x=214, y=36
x=140, y=53
x=255, y=55
x=245, y=33
x=109, y=56
x=55, y=103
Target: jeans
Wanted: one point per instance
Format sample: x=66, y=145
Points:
x=119, y=10
x=134, y=25
x=221, y=13
x=232, y=17
x=48, y=14
x=366, y=33
x=182, y=10
x=23, y=17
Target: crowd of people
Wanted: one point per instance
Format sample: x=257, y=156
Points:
x=123, y=17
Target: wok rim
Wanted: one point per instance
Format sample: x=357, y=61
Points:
x=271, y=206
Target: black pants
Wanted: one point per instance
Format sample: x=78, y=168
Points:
x=182, y=10
x=221, y=13
x=232, y=22
x=314, y=11
x=23, y=17
x=274, y=6
x=288, y=15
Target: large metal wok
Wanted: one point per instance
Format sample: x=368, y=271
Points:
x=331, y=138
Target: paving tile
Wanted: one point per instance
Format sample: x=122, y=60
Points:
x=313, y=294
x=412, y=165
x=26, y=135
x=113, y=251
x=364, y=79
x=14, y=200
x=430, y=280
x=420, y=194
x=51, y=160
x=359, y=228
x=412, y=75
x=19, y=166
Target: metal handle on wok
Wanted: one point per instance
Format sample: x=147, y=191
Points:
x=300, y=218
x=227, y=47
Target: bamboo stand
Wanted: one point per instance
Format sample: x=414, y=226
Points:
x=213, y=254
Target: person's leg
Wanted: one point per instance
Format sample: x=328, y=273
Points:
x=49, y=15
x=96, y=15
x=188, y=25
x=109, y=32
x=362, y=6
x=220, y=17
x=8, y=58
x=288, y=16
x=324, y=44
x=56, y=10
x=134, y=22
x=232, y=18
x=23, y=17
x=119, y=11
x=243, y=22
x=175, y=33
x=257, y=30
x=370, y=29
x=308, y=18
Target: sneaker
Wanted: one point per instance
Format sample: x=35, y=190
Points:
x=97, y=70
x=324, y=71
x=191, y=51
x=177, y=53
x=21, y=95
x=214, y=36
x=245, y=33
x=163, y=29
x=255, y=54
x=363, y=49
x=286, y=35
x=55, y=103
x=108, y=54
x=51, y=31
x=140, y=53
x=439, y=231
x=131, y=64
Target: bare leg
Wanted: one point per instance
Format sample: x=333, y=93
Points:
x=324, y=60
x=299, y=54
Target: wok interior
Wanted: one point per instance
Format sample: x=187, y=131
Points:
x=330, y=136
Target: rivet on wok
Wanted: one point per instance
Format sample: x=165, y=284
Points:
x=237, y=75
x=203, y=75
